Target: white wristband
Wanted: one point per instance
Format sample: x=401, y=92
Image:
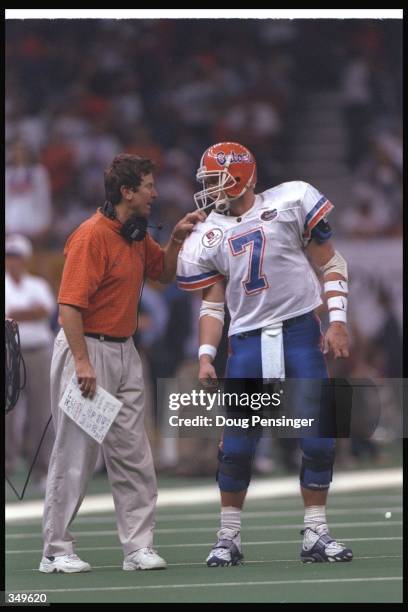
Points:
x=336, y=285
x=338, y=301
x=337, y=315
x=207, y=349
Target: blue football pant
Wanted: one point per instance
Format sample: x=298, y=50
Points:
x=303, y=360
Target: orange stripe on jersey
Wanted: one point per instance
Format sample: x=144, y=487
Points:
x=319, y=215
x=199, y=284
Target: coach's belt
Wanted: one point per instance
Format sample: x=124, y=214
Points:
x=105, y=338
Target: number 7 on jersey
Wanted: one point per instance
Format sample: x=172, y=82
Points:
x=254, y=242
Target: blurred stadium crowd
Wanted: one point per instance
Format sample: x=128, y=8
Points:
x=79, y=92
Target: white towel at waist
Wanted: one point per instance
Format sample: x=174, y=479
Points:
x=273, y=361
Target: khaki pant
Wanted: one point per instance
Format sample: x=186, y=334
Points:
x=26, y=422
x=126, y=450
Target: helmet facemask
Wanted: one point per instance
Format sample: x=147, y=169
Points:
x=215, y=183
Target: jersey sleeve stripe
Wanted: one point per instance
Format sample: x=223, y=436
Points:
x=188, y=285
x=197, y=277
x=317, y=212
x=320, y=214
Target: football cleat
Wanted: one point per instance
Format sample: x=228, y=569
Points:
x=322, y=548
x=227, y=550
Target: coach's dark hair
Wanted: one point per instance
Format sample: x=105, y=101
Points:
x=125, y=171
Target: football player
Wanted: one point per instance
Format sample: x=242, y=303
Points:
x=255, y=253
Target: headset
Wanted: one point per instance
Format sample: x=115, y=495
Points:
x=134, y=229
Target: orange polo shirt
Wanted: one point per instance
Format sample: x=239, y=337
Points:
x=103, y=275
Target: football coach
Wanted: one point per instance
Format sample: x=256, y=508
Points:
x=106, y=260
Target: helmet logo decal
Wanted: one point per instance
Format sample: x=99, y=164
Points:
x=233, y=158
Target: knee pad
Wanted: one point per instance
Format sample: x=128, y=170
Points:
x=234, y=471
x=317, y=464
x=235, y=457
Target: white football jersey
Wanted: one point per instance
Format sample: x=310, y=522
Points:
x=260, y=255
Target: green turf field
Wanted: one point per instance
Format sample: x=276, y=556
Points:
x=271, y=542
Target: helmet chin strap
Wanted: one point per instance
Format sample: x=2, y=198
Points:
x=224, y=207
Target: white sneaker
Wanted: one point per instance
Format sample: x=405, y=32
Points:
x=144, y=559
x=68, y=564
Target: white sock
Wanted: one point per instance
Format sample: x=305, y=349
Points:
x=230, y=518
x=315, y=518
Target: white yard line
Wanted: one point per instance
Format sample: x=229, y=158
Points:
x=263, y=562
x=196, y=544
x=113, y=532
x=197, y=585
x=255, y=514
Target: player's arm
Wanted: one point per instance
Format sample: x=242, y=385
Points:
x=210, y=328
x=334, y=269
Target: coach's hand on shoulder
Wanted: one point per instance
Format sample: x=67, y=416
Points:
x=186, y=225
x=336, y=340
x=86, y=378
